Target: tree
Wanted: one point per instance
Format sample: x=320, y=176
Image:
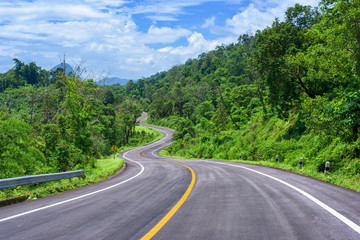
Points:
x=302, y=16
x=18, y=156
x=344, y=18
x=274, y=45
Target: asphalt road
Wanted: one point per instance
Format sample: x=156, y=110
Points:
x=189, y=199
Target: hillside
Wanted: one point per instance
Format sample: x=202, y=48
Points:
x=290, y=90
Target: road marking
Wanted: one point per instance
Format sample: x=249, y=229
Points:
x=82, y=196
x=153, y=152
x=332, y=211
x=169, y=215
x=88, y=194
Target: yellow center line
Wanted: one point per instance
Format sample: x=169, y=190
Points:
x=167, y=217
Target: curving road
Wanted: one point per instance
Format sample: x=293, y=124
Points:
x=167, y=198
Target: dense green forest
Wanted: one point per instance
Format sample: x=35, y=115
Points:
x=50, y=122
x=291, y=90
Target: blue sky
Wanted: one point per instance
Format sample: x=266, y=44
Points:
x=126, y=38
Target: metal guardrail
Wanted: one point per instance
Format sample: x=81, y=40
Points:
x=18, y=181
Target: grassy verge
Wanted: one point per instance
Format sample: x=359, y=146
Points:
x=260, y=139
x=104, y=168
x=335, y=178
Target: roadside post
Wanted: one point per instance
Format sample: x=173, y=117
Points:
x=114, y=148
x=300, y=163
x=276, y=158
x=327, y=167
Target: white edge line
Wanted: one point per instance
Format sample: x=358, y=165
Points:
x=341, y=217
x=82, y=196
x=157, y=149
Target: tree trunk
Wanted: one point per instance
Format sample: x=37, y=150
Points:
x=357, y=66
x=258, y=89
x=297, y=76
x=227, y=110
x=355, y=131
x=261, y=98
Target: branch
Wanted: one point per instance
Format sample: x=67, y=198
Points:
x=297, y=76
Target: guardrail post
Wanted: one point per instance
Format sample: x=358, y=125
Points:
x=327, y=166
x=300, y=163
x=276, y=158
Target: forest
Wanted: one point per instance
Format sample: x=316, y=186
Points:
x=290, y=90
x=53, y=122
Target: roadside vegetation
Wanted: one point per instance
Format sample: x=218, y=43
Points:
x=103, y=168
x=52, y=122
x=290, y=90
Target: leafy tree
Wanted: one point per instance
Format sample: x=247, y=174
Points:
x=273, y=46
x=18, y=156
x=302, y=16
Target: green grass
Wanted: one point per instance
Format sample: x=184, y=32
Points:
x=109, y=163
x=336, y=178
x=104, y=168
x=271, y=137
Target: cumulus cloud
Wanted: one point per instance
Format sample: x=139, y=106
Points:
x=251, y=19
x=260, y=14
x=197, y=44
x=165, y=34
x=106, y=34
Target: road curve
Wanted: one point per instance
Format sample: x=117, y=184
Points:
x=194, y=200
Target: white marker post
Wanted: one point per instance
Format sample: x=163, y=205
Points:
x=327, y=167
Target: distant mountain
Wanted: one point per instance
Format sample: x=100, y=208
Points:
x=68, y=68
x=113, y=80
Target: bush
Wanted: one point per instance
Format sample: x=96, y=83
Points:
x=66, y=157
x=18, y=156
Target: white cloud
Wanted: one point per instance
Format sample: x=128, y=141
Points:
x=165, y=6
x=38, y=11
x=197, y=44
x=159, y=18
x=210, y=22
x=261, y=14
x=164, y=34
x=106, y=3
x=251, y=19
x=105, y=34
